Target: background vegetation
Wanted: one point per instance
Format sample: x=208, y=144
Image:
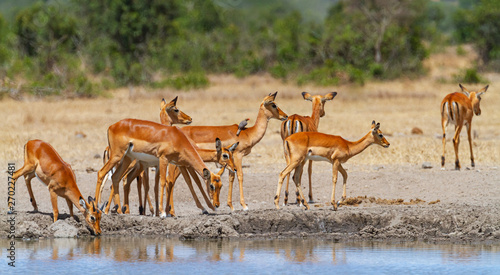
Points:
x=78, y=48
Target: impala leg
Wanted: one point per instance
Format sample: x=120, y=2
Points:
x=230, y=190
x=202, y=191
x=185, y=174
x=163, y=180
x=335, y=171
x=53, y=200
x=112, y=162
x=344, y=176
x=127, y=182
x=238, y=163
x=297, y=176
x=456, y=142
x=145, y=183
x=116, y=178
x=444, y=123
x=309, y=173
x=286, y=172
x=27, y=180
x=157, y=183
x=140, y=182
x=285, y=200
x=469, y=127
x=172, y=175
x=70, y=206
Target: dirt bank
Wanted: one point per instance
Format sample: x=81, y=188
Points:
x=442, y=208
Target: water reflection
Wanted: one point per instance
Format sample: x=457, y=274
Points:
x=124, y=252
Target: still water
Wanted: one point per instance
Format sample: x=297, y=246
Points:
x=132, y=255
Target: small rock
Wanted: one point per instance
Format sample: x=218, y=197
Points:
x=97, y=156
x=417, y=131
x=28, y=229
x=80, y=134
x=426, y=165
x=90, y=170
x=62, y=229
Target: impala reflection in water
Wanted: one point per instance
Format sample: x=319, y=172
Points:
x=148, y=254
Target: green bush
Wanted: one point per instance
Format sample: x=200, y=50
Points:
x=469, y=76
x=184, y=81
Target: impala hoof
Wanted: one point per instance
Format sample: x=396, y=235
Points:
x=245, y=208
x=204, y=212
x=163, y=215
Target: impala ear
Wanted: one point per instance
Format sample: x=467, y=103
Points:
x=83, y=204
x=218, y=145
x=307, y=96
x=172, y=103
x=464, y=90
x=376, y=127
x=482, y=91
x=233, y=147
x=163, y=104
x=329, y=96
x=206, y=174
x=373, y=124
x=270, y=98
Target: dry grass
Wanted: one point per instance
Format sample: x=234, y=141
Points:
x=77, y=128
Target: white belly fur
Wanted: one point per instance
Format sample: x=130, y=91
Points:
x=148, y=159
x=316, y=158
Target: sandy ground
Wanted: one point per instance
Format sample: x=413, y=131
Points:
x=413, y=203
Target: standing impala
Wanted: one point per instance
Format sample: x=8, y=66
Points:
x=42, y=161
x=304, y=146
x=151, y=143
x=297, y=123
x=458, y=109
x=169, y=115
x=204, y=136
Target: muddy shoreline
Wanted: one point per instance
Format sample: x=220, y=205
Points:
x=449, y=223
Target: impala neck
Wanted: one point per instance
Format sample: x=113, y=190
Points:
x=315, y=116
x=207, y=155
x=257, y=131
x=165, y=119
x=359, y=146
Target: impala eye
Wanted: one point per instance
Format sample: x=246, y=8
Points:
x=176, y=110
x=92, y=218
x=274, y=106
x=225, y=157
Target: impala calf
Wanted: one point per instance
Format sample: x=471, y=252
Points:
x=315, y=146
x=297, y=123
x=43, y=162
x=458, y=109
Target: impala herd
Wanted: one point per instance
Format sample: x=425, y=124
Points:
x=135, y=145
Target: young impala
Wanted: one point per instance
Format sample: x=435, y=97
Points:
x=248, y=137
x=43, y=162
x=152, y=143
x=297, y=123
x=304, y=146
x=458, y=109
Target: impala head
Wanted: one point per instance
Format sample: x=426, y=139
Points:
x=378, y=136
x=92, y=214
x=271, y=109
x=225, y=154
x=319, y=101
x=169, y=114
x=475, y=97
x=215, y=184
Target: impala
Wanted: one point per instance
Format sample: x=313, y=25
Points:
x=316, y=146
x=297, y=123
x=151, y=143
x=43, y=162
x=221, y=155
x=248, y=137
x=458, y=109
x=169, y=115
